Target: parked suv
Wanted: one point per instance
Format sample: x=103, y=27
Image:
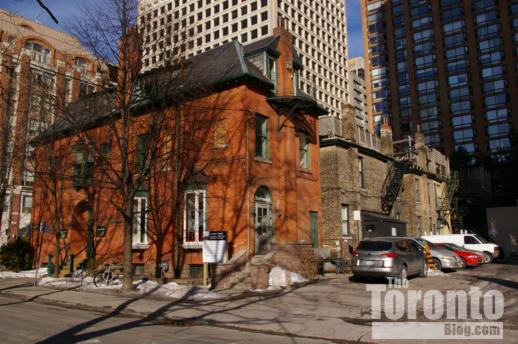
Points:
x=389, y=257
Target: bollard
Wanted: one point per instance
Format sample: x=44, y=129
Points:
x=49, y=265
x=71, y=263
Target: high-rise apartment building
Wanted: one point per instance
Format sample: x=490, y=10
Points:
x=41, y=71
x=449, y=66
x=194, y=26
x=356, y=90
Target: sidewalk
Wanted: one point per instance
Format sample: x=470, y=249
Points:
x=333, y=309
x=292, y=312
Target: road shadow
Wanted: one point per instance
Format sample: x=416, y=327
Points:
x=35, y=297
x=206, y=309
x=499, y=281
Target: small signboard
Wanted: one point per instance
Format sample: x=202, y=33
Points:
x=357, y=215
x=215, y=247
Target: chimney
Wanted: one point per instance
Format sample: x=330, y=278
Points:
x=285, y=62
x=419, y=138
x=130, y=63
x=349, y=129
x=387, y=145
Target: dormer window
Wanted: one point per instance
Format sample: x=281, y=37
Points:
x=38, y=52
x=267, y=64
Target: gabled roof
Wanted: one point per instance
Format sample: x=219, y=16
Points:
x=198, y=75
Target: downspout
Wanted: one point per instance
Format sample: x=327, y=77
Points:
x=247, y=172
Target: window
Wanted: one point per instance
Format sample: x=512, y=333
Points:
x=499, y=144
x=361, y=172
x=462, y=121
x=496, y=100
x=140, y=221
x=463, y=135
x=304, y=151
x=262, y=145
x=500, y=129
x=491, y=72
x=26, y=204
x=38, y=52
x=85, y=88
x=419, y=225
x=82, y=166
x=27, y=178
x=345, y=220
x=469, y=240
x=194, y=217
x=497, y=115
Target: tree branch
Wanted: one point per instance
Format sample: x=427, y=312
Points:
x=42, y=5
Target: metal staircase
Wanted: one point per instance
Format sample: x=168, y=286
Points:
x=446, y=207
x=393, y=183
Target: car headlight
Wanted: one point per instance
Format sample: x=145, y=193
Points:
x=472, y=257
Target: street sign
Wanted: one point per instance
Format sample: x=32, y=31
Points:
x=215, y=247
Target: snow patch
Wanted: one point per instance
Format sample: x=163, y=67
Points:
x=171, y=289
x=437, y=273
x=280, y=278
x=41, y=272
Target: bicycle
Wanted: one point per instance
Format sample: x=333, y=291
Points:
x=109, y=275
x=81, y=272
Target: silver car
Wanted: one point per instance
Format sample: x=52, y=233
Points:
x=389, y=257
x=442, y=258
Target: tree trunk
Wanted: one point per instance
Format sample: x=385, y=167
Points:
x=127, y=280
x=158, y=260
x=57, y=258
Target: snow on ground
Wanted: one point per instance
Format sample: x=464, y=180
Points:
x=437, y=273
x=24, y=274
x=152, y=288
x=280, y=278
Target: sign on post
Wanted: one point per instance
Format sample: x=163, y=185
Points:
x=215, y=247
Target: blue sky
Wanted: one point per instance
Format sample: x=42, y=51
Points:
x=64, y=10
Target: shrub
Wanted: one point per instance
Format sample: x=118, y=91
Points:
x=17, y=255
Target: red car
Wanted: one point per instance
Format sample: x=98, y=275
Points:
x=471, y=258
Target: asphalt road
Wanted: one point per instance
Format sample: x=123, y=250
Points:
x=27, y=322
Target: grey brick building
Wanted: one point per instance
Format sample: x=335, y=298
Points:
x=372, y=186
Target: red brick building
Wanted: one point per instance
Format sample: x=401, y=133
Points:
x=41, y=71
x=254, y=158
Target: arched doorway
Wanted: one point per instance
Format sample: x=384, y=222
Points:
x=263, y=220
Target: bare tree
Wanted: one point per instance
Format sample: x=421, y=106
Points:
x=8, y=115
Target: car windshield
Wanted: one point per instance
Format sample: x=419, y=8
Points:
x=481, y=239
x=371, y=245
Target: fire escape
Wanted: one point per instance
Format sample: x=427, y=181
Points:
x=393, y=183
x=403, y=154
x=446, y=204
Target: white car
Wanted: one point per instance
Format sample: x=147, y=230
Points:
x=470, y=241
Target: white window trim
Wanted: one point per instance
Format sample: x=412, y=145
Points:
x=141, y=244
x=198, y=242
x=22, y=198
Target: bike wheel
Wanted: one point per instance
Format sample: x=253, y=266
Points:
x=98, y=278
x=108, y=277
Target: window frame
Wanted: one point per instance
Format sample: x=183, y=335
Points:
x=143, y=238
x=198, y=241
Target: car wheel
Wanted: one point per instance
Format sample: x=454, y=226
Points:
x=437, y=263
x=403, y=274
x=424, y=272
x=490, y=257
